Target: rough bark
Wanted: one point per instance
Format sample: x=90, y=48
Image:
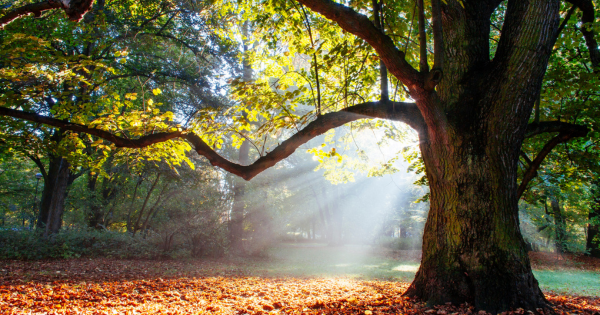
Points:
x=473, y=250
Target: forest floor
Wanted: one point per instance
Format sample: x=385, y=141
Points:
x=290, y=279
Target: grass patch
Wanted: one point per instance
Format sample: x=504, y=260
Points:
x=570, y=282
x=320, y=260
x=368, y=263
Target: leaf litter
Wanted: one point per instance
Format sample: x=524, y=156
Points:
x=112, y=286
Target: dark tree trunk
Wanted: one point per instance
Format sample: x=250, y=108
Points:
x=95, y=215
x=48, y=192
x=593, y=228
x=560, y=230
x=57, y=204
x=55, y=191
x=593, y=233
x=473, y=250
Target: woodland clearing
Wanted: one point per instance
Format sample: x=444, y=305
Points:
x=287, y=280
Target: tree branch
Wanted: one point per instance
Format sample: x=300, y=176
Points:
x=397, y=111
x=66, y=125
x=565, y=20
x=587, y=8
x=438, y=36
x=34, y=8
x=566, y=133
x=423, y=65
x=383, y=77
x=359, y=25
x=40, y=165
x=535, y=129
x=75, y=10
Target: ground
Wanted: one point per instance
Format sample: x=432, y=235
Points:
x=291, y=279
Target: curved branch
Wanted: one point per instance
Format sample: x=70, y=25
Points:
x=397, y=111
x=75, y=10
x=66, y=125
x=404, y=112
x=567, y=132
x=587, y=8
x=360, y=25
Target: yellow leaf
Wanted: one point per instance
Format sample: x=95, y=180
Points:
x=156, y=91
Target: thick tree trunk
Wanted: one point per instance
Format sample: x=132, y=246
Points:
x=476, y=120
x=473, y=250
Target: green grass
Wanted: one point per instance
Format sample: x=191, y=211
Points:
x=319, y=260
x=364, y=262
x=571, y=282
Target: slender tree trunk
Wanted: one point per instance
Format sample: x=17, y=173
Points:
x=593, y=228
x=57, y=204
x=236, y=231
x=54, y=193
x=324, y=219
x=95, y=215
x=560, y=231
x=137, y=227
x=48, y=192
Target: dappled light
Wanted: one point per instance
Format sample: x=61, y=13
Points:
x=251, y=286
x=407, y=268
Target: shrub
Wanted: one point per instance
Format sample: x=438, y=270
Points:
x=30, y=245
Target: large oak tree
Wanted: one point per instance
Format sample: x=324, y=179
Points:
x=471, y=112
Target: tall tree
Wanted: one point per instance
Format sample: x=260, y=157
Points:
x=471, y=113
x=93, y=67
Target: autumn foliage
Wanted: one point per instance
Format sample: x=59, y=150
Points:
x=104, y=286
